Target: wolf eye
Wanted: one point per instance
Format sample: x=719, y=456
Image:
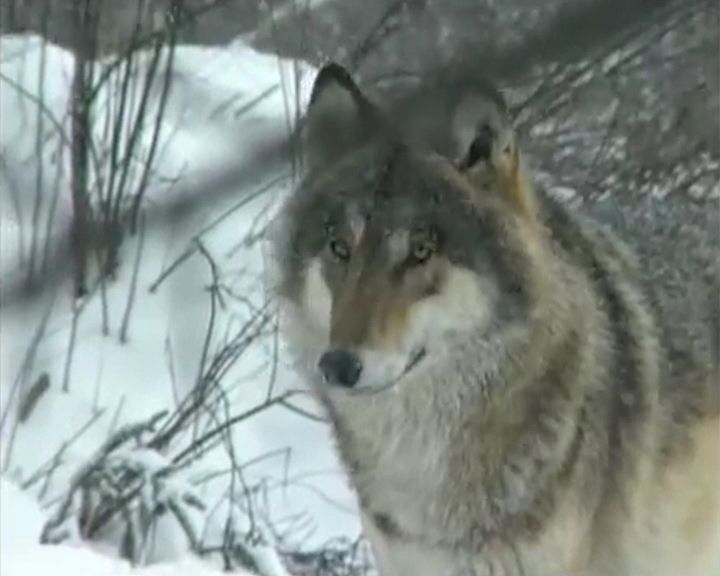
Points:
x=422, y=251
x=339, y=249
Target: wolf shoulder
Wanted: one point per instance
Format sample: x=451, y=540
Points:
x=668, y=251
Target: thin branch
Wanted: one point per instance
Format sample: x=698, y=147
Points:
x=194, y=241
x=200, y=442
x=133, y=284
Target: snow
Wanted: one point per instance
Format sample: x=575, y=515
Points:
x=225, y=100
x=71, y=561
x=21, y=520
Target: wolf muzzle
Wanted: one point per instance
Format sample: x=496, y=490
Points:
x=340, y=367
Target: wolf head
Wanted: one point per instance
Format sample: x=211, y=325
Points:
x=391, y=258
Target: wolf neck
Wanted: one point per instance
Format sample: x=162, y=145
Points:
x=498, y=421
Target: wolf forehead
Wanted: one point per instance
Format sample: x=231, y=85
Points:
x=395, y=187
x=398, y=190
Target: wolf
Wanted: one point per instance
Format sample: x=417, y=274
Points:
x=504, y=392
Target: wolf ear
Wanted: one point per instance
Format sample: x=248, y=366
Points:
x=487, y=149
x=339, y=117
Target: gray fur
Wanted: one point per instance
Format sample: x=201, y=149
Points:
x=550, y=416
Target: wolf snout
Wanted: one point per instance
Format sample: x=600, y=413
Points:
x=481, y=147
x=340, y=367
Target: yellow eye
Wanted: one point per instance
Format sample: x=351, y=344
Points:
x=339, y=249
x=422, y=251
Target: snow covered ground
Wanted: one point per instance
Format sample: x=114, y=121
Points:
x=21, y=522
x=224, y=101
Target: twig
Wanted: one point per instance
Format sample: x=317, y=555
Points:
x=302, y=412
x=46, y=468
x=77, y=308
x=39, y=171
x=386, y=25
x=121, y=436
x=221, y=363
x=30, y=400
x=133, y=284
x=193, y=245
x=157, y=128
x=200, y=442
x=21, y=378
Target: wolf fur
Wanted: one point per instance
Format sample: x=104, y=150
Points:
x=520, y=407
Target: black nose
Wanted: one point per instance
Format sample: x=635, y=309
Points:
x=481, y=146
x=340, y=367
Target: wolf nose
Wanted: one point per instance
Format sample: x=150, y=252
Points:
x=340, y=367
x=481, y=147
